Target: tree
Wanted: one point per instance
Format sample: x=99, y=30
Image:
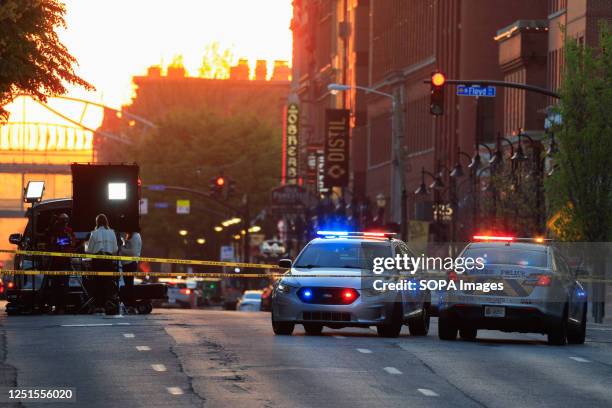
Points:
x=581, y=184
x=580, y=189
x=187, y=149
x=32, y=58
x=216, y=63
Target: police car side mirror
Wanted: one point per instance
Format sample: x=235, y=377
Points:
x=284, y=263
x=15, y=239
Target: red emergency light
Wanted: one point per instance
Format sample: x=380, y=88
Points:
x=220, y=181
x=493, y=238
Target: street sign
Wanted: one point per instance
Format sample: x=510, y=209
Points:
x=227, y=253
x=476, y=90
x=156, y=187
x=182, y=206
x=144, y=206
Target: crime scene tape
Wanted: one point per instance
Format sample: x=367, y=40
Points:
x=140, y=259
x=11, y=272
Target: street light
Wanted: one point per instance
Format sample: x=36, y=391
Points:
x=398, y=152
x=183, y=233
x=218, y=228
x=201, y=241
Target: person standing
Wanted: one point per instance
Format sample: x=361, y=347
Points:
x=61, y=239
x=103, y=241
x=132, y=247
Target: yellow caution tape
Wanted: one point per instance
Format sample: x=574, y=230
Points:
x=140, y=259
x=12, y=272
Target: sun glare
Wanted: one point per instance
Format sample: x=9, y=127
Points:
x=114, y=40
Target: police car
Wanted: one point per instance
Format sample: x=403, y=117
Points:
x=539, y=293
x=330, y=284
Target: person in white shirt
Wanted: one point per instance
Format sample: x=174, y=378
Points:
x=132, y=247
x=103, y=241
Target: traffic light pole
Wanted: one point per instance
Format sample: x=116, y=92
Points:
x=399, y=158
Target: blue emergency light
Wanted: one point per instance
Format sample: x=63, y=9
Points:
x=332, y=234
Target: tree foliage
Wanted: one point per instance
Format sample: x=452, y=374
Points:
x=216, y=62
x=32, y=58
x=581, y=185
x=187, y=149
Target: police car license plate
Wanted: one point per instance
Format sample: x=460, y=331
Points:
x=495, y=311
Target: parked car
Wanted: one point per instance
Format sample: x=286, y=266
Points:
x=250, y=301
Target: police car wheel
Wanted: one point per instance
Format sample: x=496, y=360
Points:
x=578, y=335
x=313, y=329
x=557, y=336
x=394, y=327
x=420, y=325
x=468, y=334
x=283, y=328
x=446, y=330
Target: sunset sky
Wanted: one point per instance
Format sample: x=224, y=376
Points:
x=116, y=39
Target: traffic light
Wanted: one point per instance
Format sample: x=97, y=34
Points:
x=436, y=104
x=217, y=184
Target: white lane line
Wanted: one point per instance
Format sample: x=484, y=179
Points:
x=339, y=337
x=175, y=390
x=428, y=393
x=392, y=370
x=87, y=325
x=580, y=359
x=143, y=348
x=159, y=367
x=128, y=335
x=124, y=324
x=364, y=351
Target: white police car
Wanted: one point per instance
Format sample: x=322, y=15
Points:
x=539, y=293
x=331, y=284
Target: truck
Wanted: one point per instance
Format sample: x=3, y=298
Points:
x=111, y=189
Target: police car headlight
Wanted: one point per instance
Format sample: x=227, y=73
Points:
x=283, y=287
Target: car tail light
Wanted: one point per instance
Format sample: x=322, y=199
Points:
x=186, y=291
x=544, y=280
x=452, y=275
x=1, y=288
x=10, y=284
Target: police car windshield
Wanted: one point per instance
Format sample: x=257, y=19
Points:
x=356, y=255
x=509, y=256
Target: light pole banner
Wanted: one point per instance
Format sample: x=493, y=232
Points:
x=336, y=148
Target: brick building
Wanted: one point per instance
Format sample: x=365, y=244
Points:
x=392, y=45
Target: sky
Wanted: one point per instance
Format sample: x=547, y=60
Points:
x=114, y=40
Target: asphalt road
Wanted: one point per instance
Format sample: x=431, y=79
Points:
x=191, y=358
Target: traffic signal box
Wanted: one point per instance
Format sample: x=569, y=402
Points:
x=436, y=104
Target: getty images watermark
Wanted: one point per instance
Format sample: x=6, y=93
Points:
x=413, y=264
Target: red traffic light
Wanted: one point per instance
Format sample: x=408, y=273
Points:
x=438, y=79
x=220, y=181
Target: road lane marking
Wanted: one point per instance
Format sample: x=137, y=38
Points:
x=339, y=337
x=159, y=367
x=580, y=359
x=428, y=393
x=175, y=390
x=124, y=324
x=143, y=348
x=364, y=351
x=392, y=370
x=87, y=325
x=128, y=335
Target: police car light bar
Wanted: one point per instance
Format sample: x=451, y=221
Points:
x=492, y=238
x=355, y=234
x=538, y=240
